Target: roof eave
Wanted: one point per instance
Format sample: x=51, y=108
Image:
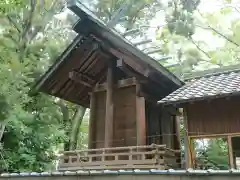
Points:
x=37, y=86
x=205, y=98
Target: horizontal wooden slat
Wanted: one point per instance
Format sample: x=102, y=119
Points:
x=120, y=84
x=115, y=162
x=117, y=148
x=121, y=154
x=112, y=167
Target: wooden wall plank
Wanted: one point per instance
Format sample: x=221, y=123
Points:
x=219, y=116
x=125, y=117
x=100, y=116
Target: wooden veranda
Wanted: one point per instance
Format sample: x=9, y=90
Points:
x=134, y=157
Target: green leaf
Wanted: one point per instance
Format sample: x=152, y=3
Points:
x=225, y=11
x=228, y=1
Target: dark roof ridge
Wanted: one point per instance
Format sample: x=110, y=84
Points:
x=213, y=72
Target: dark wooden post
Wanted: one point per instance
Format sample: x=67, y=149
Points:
x=140, y=117
x=177, y=127
x=92, y=123
x=188, y=158
x=230, y=152
x=109, y=106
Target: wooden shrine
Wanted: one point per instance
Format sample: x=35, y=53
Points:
x=210, y=110
x=121, y=85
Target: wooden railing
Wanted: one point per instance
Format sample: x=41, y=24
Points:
x=135, y=157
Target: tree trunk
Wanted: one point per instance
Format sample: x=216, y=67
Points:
x=2, y=128
x=66, y=122
x=76, y=123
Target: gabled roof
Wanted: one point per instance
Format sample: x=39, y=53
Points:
x=87, y=57
x=214, y=86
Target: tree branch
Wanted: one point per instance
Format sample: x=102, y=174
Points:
x=28, y=22
x=25, y=40
x=10, y=37
x=45, y=21
x=230, y=6
x=199, y=48
x=11, y=21
x=64, y=110
x=220, y=34
x=209, y=27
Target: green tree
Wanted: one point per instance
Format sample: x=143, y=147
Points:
x=32, y=127
x=214, y=154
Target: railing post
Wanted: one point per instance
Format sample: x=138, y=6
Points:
x=156, y=156
x=130, y=156
x=103, y=155
x=78, y=157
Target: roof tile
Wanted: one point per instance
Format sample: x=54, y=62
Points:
x=205, y=87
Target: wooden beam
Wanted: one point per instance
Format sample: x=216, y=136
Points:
x=173, y=111
x=215, y=135
x=140, y=118
x=77, y=77
x=143, y=72
x=126, y=68
x=230, y=152
x=92, y=122
x=109, y=106
x=147, y=97
x=120, y=84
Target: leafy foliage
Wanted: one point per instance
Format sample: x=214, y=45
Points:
x=214, y=154
x=34, y=125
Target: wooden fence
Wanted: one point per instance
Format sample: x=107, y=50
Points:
x=134, y=157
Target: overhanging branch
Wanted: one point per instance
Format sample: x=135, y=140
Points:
x=209, y=27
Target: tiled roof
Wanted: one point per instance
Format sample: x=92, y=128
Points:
x=219, y=85
x=124, y=172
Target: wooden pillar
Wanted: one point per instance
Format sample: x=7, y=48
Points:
x=230, y=152
x=191, y=153
x=108, y=140
x=177, y=130
x=92, y=123
x=187, y=150
x=140, y=118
